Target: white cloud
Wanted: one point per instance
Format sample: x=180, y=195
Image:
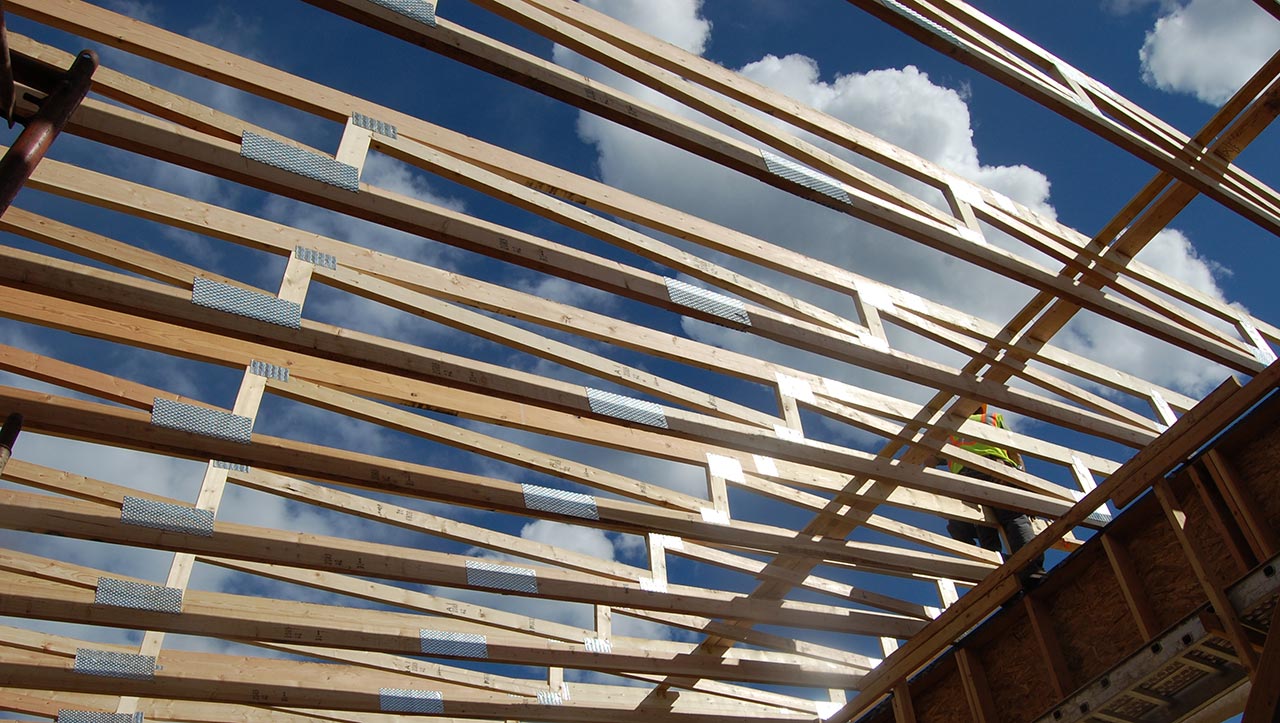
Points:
x=675, y=21
x=907, y=108
x=1208, y=48
x=587, y=540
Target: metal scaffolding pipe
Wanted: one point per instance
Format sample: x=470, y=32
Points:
x=9, y=435
x=43, y=127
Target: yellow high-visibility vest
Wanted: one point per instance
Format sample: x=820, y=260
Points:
x=979, y=447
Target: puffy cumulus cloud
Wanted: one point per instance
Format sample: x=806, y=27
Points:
x=1105, y=341
x=587, y=540
x=675, y=21
x=905, y=107
x=1208, y=48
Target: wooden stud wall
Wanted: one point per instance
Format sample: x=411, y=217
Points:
x=759, y=651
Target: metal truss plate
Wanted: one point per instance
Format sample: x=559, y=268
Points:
x=920, y=20
x=166, y=516
x=270, y=371
x=301, y=161
x=108, y=664
x=137, y=595
x=805, y=176
x=93, y=716
x=312, y=256
x=560, y=502
x=502, y=577
x=457, y=645
x=243, y=302
x=628, y=408
x=233, y=466
x=598, y=645
x=549, y=698
x=709, y=302
x=201, y=420
x=375, y=125
x=420, y=10
x=404, y=700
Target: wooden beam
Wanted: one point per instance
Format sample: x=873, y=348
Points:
x=1206, y=575
x=37, y=513
x=1264, y=700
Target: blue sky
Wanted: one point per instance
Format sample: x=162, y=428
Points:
x=828, y=53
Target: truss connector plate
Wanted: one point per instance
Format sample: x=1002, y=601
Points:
x=458, y=645
x=375, y=125
x=201, y=420
x=93, y=716
x=921, y=20
x=167, y=516
x=109, y=664
x=560, y=502
x=138, y=596
x=420, y=10
x=405, y=700
x=312, y=256
x=627, y=408
x=270, y=371
x=502, y=577
x=805, y=176
x=243, y=302
x=301, y=161
x=709, y=302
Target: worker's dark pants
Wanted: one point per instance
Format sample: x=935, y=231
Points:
x=1017, y=527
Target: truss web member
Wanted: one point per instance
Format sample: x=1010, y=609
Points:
x=1017, y=526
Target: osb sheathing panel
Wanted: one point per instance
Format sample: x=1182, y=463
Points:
x=1167, y=580
x=1090, y=617
x=1204, y=534
x=1015, y=670
x=939, y=698
x=1257, y=465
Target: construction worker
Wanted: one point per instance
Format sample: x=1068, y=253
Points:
x=1017, y=525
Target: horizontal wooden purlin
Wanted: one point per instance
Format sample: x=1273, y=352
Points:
x=261, y=681
x=130, y=429
x=130, y=197
x=39, y=513
x=236, y=617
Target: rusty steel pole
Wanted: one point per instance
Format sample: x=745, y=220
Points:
x=8, y=91
x=43, y=127
x=9, y=435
